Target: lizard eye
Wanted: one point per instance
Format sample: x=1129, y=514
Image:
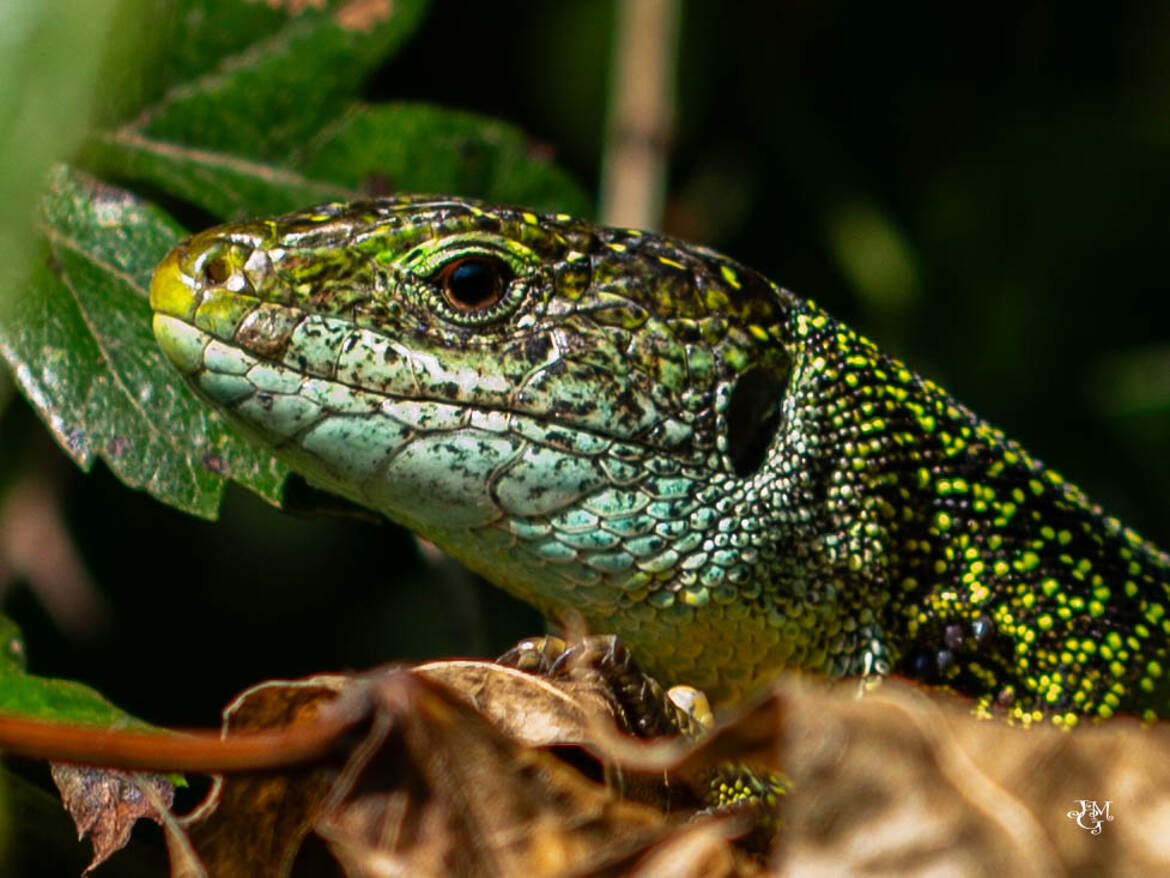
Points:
x=473, y=283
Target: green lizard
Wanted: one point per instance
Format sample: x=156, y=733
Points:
x=643, y=433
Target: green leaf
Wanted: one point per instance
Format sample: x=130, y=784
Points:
x=224, y=185
x=277, y=79
x=246, y=85
x=82, y=350
x=47, y=698
x=411, y=147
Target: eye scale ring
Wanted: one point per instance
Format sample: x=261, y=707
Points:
x=474, y=283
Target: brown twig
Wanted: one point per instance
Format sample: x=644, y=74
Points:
x=201, y=751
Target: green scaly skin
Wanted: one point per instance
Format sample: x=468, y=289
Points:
x=657, y=440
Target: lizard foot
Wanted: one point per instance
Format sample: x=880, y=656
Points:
x=640, y=704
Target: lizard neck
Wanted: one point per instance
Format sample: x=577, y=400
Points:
x=980, y=567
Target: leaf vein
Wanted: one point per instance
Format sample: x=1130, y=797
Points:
x=56, y=239
x=203, y=158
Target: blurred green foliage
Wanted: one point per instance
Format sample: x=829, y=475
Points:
x=49, y=59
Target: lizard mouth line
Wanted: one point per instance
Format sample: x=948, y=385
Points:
x=184, y=344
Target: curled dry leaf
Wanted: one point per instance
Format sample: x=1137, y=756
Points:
x=574, y=711
x=528, y=708
x=436, y=788
x=106, y=803
x=252, y=824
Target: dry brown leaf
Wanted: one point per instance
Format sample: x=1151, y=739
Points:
x=106, y=803
x=901, y=782
x=575, y=712
x=446, y=781
x=184, y=862
x=528, y=708
x=434, y=789
x=437, y=790
x=252, y=825
x=701, y=849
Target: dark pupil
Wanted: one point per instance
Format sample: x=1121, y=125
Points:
x=474, y=283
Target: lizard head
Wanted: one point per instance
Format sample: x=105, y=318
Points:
x=578, y=412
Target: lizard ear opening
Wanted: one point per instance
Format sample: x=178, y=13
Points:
x=753, y=417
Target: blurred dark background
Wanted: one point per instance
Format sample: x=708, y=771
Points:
x=982, y=192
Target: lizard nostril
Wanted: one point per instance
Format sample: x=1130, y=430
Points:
x=217, y=269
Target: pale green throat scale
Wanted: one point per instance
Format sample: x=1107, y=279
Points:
x=640, y=433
